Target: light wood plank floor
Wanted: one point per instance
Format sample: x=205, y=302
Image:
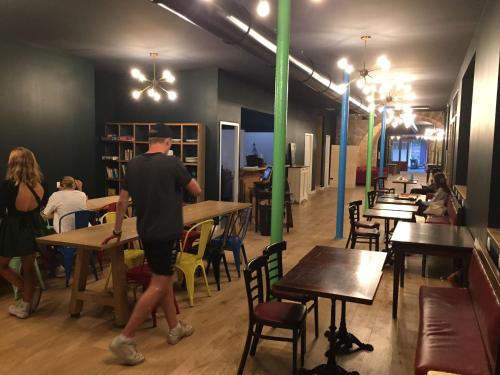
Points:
x=51, y=342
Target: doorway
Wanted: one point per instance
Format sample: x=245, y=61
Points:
x=308, y=159
x=229, y=161
x=326, y=158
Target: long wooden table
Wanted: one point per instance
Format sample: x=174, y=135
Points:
x=91, y=238
x=421, y=238
x=337, y=274
x=97, y=204
x=388, y=215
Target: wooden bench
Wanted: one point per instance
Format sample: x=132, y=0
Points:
x=459, y=328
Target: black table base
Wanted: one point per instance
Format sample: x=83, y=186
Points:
x=340, y=342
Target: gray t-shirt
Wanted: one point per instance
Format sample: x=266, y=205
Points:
x=155, y=182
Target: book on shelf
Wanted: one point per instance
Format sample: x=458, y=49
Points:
x=112, y=173
x=128, y=154
x=124, y=169
x=111, y=191
x=110, y=157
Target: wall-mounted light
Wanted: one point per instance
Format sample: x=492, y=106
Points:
x=263, y=8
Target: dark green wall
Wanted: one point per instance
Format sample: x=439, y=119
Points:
x=47, y=105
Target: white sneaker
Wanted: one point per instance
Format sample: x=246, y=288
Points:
x=35, y=300
x=182, y=330
x=125, y=349
x=20, y=309
x=60, y=272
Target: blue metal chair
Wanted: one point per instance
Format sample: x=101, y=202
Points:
x=82, y=220
x=236, y=236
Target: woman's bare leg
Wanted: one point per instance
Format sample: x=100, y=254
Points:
x=9, y=274
x=28, y=276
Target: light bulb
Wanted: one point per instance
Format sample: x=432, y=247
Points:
x=263, y=8
x=157, y=96
x=360, y=83
x=135, y=73
x=383, y=63
x=411, y=96
x=141, y=77
x=168, y=76
x=349, y=69
x=172, y=95
x=136, y=94
x=342, y=63
x=151, y=92
x=394, y=124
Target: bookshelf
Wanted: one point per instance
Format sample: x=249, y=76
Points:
x=123, y=141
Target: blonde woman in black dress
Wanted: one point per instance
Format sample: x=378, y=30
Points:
x=21, y=196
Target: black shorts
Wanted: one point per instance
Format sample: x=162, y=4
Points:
x=161, y=256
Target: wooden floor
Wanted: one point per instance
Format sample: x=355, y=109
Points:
x=50, y=342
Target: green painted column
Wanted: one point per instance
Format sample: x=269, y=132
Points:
x=368, y=182
x=280, y=119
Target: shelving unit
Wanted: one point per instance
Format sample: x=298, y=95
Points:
x=123, y=141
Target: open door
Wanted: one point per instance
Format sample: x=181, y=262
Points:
x=308, y=159
x=229, y=161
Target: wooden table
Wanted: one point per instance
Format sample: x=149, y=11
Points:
x=420, y=238
x=388, y=215
x=90, y=239
x=337, y=274
x=97, y=204
x=396, y=201
x=405, y=182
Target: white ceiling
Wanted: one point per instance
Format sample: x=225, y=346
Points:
x=424, y=39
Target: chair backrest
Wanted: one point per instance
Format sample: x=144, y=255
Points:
x=379, y=183
x=108, y=217
x=254, y=282
x=242, y=222
x=82, y=218
x=372, y=195
x=352, y=216
x=205, y=228
x=356, y=204
x=274, y=256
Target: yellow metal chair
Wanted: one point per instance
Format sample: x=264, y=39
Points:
x=132, y=257
x=189, y=263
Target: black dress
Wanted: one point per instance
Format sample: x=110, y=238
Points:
x=18, y=229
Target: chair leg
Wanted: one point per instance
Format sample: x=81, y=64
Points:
x=215, y=261
x=316, y=317
x=15, y=265
x=348, y=240
x=370, y=244
x=258, y=332
x=377, y=244
x=108, y=278
x=244, y=254
x=205, y=279
x=39, y=276
x=294, y=354
x=245, y=350
x=176, y=305
x=353, y=241
x=69, y=254
x=237, y=261
x=94, y=268
x=224, y=259
x=189, y=277
x=424, y=264
x=303, y=345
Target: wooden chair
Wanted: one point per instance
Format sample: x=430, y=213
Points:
x=372, y=197
x=363, y=233
x=367, y=224
x=274, y=256
x=379, y=186
x=284, y=315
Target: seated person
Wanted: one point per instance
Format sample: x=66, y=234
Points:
x=424, y=190
x=68, y=199
x=440, y=196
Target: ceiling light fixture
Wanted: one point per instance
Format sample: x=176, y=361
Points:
x=154, y=87
x=263, y=8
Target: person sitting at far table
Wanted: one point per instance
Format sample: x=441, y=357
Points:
x=429, y=189
x=437, y=205
x=69, y=198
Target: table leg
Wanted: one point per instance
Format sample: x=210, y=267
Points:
x=345, y=340
x=397, y=256
x=404, y=188
x=80, y=273
x=122, y=311
x=402, y=270
x=331, y=367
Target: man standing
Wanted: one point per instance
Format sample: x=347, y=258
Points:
x=155, y=182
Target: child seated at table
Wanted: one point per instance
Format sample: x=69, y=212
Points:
x=437, y=205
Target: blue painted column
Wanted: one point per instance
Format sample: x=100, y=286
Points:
x=382, y=143
x=344, y=124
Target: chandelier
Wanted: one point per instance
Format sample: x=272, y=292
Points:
x=154, y=87
x=382, y=63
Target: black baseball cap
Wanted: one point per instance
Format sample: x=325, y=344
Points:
x=160, y=131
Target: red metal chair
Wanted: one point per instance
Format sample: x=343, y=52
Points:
x=142, y=275
x=282, y=315
x=274, y=256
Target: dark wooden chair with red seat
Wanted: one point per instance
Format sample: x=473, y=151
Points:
x=282, y=315
x=379, y=186
x=357, y=218
x=142, y=275
x=274, y=256
x=362, y=232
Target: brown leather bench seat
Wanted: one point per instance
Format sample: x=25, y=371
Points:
x=460, y=327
